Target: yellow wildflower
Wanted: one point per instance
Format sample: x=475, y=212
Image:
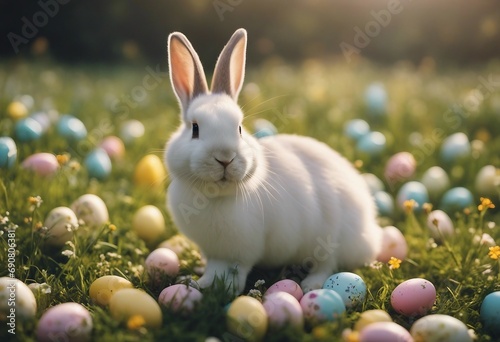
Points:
x=112, y=227
x=394, y=263
x=485, y=204
x=409, y=205
x=135, y=322
x=427, y=207
x=494, y=252
x=62, y=159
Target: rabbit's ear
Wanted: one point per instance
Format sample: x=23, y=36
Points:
x=186, y=71
x=230, y=68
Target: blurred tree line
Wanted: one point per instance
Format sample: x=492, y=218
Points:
x=450, y=31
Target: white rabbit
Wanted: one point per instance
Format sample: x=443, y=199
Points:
x=280, y=200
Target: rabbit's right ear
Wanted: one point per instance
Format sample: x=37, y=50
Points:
x=186, y=72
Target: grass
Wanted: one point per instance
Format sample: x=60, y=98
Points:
x=314, y=98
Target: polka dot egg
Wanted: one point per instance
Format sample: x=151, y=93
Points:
x=288, y=286
x=350, y=287
x=413, y=297
x=322, y=305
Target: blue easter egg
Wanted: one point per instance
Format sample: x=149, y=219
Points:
x=356, y=129
x=490, y=312
x=264, y=128
x=28, y=130
x=372, y=143
x=455, y=147
x=350, y=287
x=98, y=164
x=413, y=191
x=376, y=99
x=8, y=152
x=374, y=183
x=384, y=203
x=456, y=199
x=71, y=128
x=322, y=305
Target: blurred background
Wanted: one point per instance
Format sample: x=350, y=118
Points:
x=449, y=32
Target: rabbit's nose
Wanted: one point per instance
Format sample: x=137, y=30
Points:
x=224, y=163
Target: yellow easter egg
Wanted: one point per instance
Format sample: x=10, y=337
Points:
x=150, y=171
x=247, y=318
x=371, y=316
x=104, y=287
x=17, y=110
x=148, y=223
x=129, y=304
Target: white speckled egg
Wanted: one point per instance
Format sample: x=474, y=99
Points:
x=162, y=263
x=440, y=225
x=436, y=180
x=65, y=322
x=490, y=312
x=103, y=288
x=60, y=223
x=440, y=328
x=487, y=181
x=455, y=147
x=42, y=164
x=322, y=305
x=98, y=164
x=126, y=303
x=283, y=309
x=400, y=167
x=288, y=286
x=393, y=244
x=8, y=152
x=371, y=316
x=17, y=301
x=91, y=209
x=413, y=297
x=247, y=318
x=384, y=331
x=148, y=223
x=180, y=298
x=350, y=287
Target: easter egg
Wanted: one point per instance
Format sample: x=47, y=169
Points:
x=114, y=147
x=288, y=286
x=413, y=297
x=27, y=130
x=490, y=312
x=127, y=303
x=322, y=305
x=179, y=244
x=149, y=171
x=8, y=152
x=455, y=147
x=384, y=203
x=91, y=209
x=283, y=309
x=131, y=130
x=487, y=181
x=60, y=223
x=98, y=164
x=17, y=110
x=350, y=287
x=356, y=129
x=393, y=244
x=371, y=316
x=148, y=223
x=247, y=318
x=71, y=128
x=413, y=191
x=440, y=225
x=43, y=119
x=42, y=164
x=106, y=286
x=400, y=167
x=374, y=183
x=456, y=199
x=436, y=181
x=384, y=331
x=372, y=143
x=162, y=263
x=376, y=99
x=27, y=100
x=65, y=322
x=180, y=298
x=264, y=128
x=440, y=328
x=16, y=295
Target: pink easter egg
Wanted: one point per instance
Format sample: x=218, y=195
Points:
x=413, y=297
x=288, y=286
x=180, y=298
x=161, y=263
x=43, y=164
x=283, y=309
x=440, y=225
x=65, y=322
x=114, y=147
x=384, y=331
x=393, y=244
x=400, y=167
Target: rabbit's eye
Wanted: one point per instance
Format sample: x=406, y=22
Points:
x=239, y=128
x=196, y=131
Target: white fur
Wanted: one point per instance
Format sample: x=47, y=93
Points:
x=281, y=200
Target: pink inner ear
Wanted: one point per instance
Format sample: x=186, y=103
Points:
x=182, y=69
x=236, y=67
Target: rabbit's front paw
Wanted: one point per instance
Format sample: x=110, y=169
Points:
x=313, y=281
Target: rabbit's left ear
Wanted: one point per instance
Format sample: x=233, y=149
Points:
x=230, y=68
